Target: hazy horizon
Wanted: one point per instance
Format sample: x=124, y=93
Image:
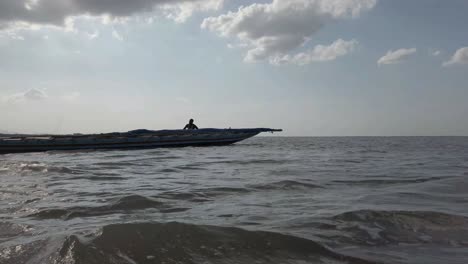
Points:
x=310, y=67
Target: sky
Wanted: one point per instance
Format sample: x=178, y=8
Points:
x=310, y=67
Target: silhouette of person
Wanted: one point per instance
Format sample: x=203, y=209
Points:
x=190, y=125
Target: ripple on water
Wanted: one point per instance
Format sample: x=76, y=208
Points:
x=118, y=205
x=180, y=243
x=394, y=227
x=10, y=230
x=285, y=185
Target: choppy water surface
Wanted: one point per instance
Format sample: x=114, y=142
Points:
x=265, y=200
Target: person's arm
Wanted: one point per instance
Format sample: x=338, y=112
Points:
x=186, y=126
x=195, y=126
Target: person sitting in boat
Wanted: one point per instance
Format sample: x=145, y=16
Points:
x=190, y=125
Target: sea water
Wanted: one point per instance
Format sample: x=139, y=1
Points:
x=264, y=200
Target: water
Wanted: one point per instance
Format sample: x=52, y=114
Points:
x=265, y=200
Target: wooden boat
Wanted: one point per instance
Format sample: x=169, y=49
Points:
x=135, y=139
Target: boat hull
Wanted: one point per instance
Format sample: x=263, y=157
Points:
x=138, y=139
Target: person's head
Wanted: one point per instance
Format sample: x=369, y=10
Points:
x=191, y=121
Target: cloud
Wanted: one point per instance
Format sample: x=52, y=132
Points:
x=117, y=35
x=319, y=53
x=56, y=12
x=273, y=30
x=181, y=11
x=436, y=53
x=10, y=34
x=39, y=95
x=460, y=57
x=29, y=95
x=93, y=35
x=395, y=57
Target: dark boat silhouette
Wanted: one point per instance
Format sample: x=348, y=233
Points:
x=136, y=139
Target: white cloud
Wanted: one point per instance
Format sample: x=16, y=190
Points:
x=319, y=53
x=30, y=4
x=34, y=94
x=93, y=35
x=181, y=11
x=460, y=57
x=17, y=37
x=37, y=95
x=236, y=46
x=57, y=12
x=29, y=95
x=274, y=30
x=395, y=57
x=436, y=53
x=117, y=35
x=11, y=34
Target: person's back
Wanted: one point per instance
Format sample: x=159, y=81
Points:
x=190, y=125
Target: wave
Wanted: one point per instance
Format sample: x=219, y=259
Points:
x=27, y=167
x=370, y=227
x=218, y=191
x=203, y=194
x=186, y=196
x=208, y=194
x=9, y=230
x=190, y=244
x=127, y=203
x=249, y=162
x=387, y=181
x=32, y=252
x=101, y=177
x=285, y=185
